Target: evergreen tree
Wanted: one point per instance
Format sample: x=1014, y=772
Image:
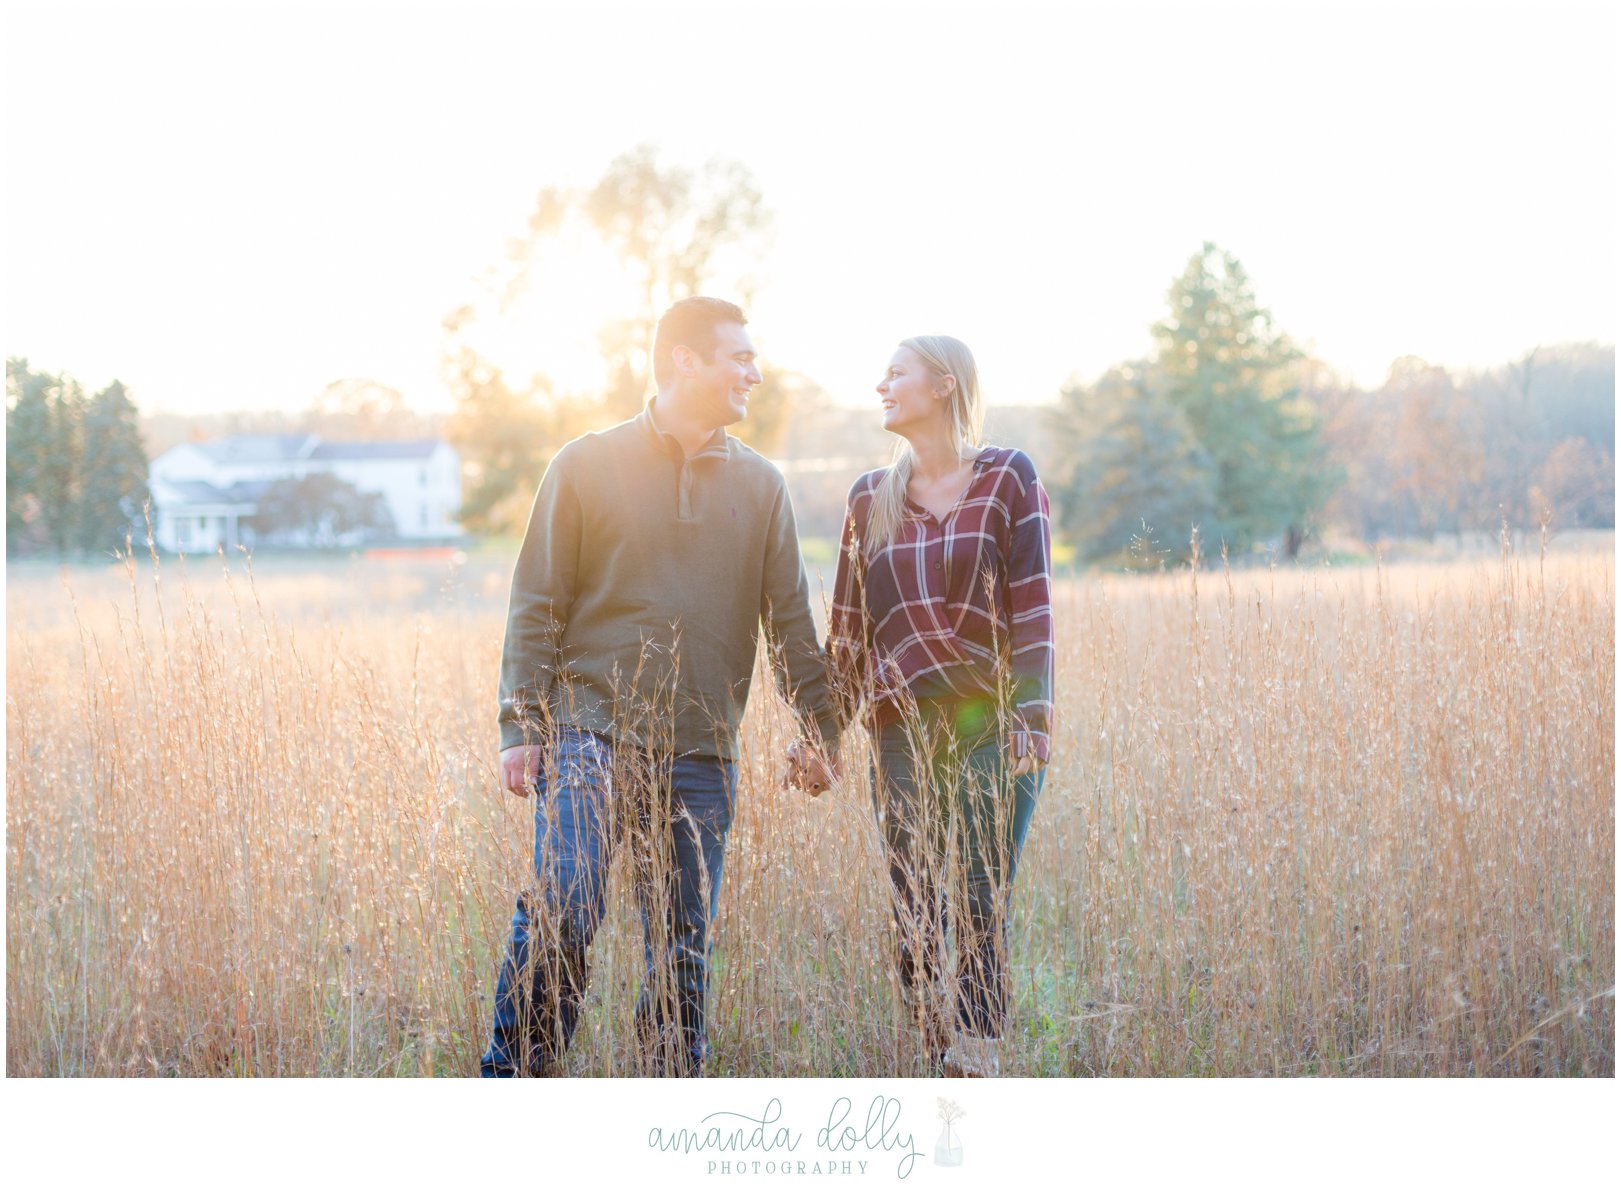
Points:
x=28, y=433
x=113, y=492
x=44, y=456
x=1135, y=480
x=1213, y=430
x=1235, y=378
x=62, y=467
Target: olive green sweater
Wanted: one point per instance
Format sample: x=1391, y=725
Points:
x=641, y=589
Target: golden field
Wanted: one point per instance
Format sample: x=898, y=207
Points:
x=1318, y=822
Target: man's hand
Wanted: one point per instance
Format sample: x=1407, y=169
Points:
x=520, y=766
x=810, y=768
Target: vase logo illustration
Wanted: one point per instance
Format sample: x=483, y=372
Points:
x=948, y=1151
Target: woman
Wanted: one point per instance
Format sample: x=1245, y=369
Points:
x=941, y=632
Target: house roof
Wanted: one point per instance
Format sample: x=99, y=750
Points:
x=197, y=493
x=259, y=447
x=301, y=447
x=288, y=452
x=356, y=451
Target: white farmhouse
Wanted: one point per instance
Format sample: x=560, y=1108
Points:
x=204, y=494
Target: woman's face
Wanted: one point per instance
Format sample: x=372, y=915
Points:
x=911, y=393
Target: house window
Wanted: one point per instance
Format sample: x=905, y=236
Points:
x=424, y=474
x=424, y=517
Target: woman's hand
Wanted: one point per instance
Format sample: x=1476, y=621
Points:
x=1023, y=765
x=1022, y=758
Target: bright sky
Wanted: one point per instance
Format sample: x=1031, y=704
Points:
x=231, y=206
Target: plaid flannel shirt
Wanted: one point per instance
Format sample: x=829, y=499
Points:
x=959, y=608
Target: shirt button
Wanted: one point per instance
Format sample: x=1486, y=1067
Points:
x=937, y=565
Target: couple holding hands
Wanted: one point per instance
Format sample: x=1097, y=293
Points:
x=656, y=553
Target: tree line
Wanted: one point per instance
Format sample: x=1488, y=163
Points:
x=1430, y=452
x=75, y=466
x=1225, y=426
x=1229, y=428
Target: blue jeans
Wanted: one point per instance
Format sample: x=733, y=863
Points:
x=953, y=821
x=672, y=815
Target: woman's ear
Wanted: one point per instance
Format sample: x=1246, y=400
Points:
x=947, y=385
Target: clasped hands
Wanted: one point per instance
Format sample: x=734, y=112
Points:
x=810, y=768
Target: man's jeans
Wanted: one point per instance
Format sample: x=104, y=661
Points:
x=672, y=815
x=954, y=819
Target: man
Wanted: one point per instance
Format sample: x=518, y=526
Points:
x=654, y=552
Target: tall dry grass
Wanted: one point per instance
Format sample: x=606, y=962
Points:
x=1330, y=822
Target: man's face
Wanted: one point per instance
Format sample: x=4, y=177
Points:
x=719, y=386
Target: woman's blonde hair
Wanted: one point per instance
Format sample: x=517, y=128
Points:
x=944, y=356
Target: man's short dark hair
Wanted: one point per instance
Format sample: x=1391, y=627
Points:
x=690, y=322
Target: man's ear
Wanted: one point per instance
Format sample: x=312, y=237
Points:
x=685, y=359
